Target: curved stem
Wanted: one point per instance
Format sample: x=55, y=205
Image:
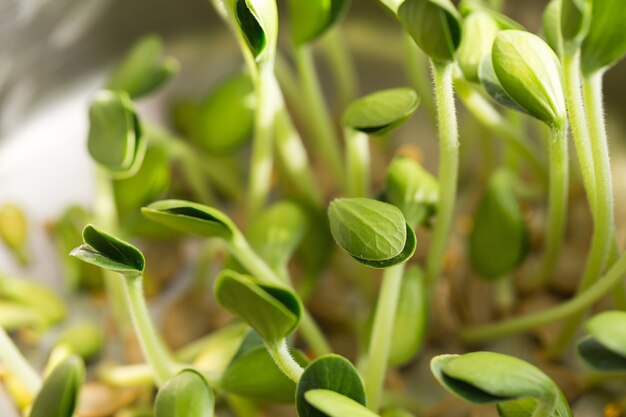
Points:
x=286, y=363
x=357, y=163
x=557, y=201
x=17, y=365
x=448, y=168
x=579, y=303
x=319, y=121
x=382, y=332
x=603, y=204
x=153, y=348
x=489, y=117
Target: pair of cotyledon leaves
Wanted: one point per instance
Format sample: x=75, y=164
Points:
x=516, y=386
x=605, y=347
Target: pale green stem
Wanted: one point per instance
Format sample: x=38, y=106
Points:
x=489, y=117
x=290, y=87
x=448, y=168
x=557, y=201
x=154, y=350
x=341, y=65
x=603, y=205
x=262, y=160
x=357, y=163
x=127, y=376
x=318, y=118
x=17, y=365
x=241, y=250
x=293, y=157
x=504, y=293
x=105, y=216
x=579, y=303
x=382, y=332
x=286, y=363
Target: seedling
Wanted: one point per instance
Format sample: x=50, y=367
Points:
x=185, y=394
x=59, y=394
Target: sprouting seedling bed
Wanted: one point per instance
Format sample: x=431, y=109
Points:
x=289, y=209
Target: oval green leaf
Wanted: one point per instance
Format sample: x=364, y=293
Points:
x=372, y=232
x=274, y=312
x=37, y=298
x=310, y=19
x=328, y=372
x=193, y=218
x=605, y=43
x=498, y=240
x=334, y=404
x=434, y=25
x=492, y=86
x=380, y=112
x=487, y=377
x=276, y=233
x=186, y=394
x=530, y=73
x=253, y=374
x=115, y=139
x=108, y=252
x=599, y=357
x=474, y=48
x=59, y=394
x=412, y=189
x=144, y=69
x=609, y=328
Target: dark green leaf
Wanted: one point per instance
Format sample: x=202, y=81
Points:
x=599, y=357
x=311, y=18
x=59, y=393
x=530, y=73
x=336, y=405
x=274, y=312
x=143, y=69
x=187, y=394
x=434, y=25
x=498, y=240
x=109, y=252
x=253, y=374
x=115, y=139
x=412, y=189
x=276, y=233
x=605, y=43
x=192, y=218
x=380, y=112
x=257, y=21
x=328, y=372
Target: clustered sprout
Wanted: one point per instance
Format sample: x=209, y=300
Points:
x=274, y=244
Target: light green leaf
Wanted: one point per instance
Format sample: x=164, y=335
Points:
x=115, y=139
x=14, y=229
x=274, y=312
x=493, y=88
x=186, y=394
x=530, y=73
x=328, y=372
x=44, y=302
x=253, y=374
x=605, y=350
x=412, y=189
x=192, y=218
x=372, y=232
x=14, y=316
x=474, y=48
x=108, y=252
x=59, y=394
x=434, y=25
x=605, y=44
x=380, y=112
x=276, y=233
x=498, y=240
x=143, y=69
x=336, y=405
x=312, y=18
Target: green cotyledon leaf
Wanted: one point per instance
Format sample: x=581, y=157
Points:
x=186, y=394
x=605, y=43
x=372, y=232
x=334, y=404
x=380, y=112
x=605, y=348
x=272, y=311
x=59, y=394
x=328, y=372
x=312, y=18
